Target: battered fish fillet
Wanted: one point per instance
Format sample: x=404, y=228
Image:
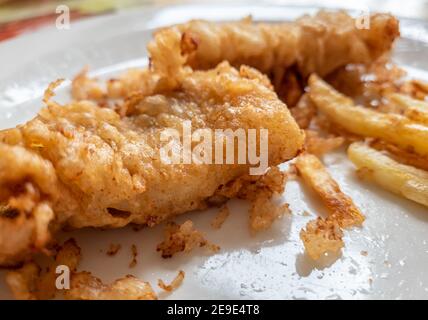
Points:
x=312, y=44
x=79, y=165
x=286, y=52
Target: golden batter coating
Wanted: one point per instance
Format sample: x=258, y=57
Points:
x=312, y=44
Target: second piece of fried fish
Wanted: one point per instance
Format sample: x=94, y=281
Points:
x=311, y=44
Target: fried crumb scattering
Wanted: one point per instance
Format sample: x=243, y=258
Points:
x=178, y=280
x=182, y=238
x=134, y=253
x=113, y=249
x=221, y=216
x=31, y=282
x=85, y=286
x=260, y=190
x=322, y=236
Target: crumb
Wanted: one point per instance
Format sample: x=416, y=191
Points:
x=306, y=213
x=213, y=247
x=322, y=236
x=221, y=216
x=134, y=253
x=364, y=253
x=264, y=212
x=113, y=249
x=182, y=238
x=178, y=280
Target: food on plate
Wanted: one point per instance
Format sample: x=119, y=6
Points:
x=97, y=161
x=324, y=235
x=365, y=122
x=79, y=165
x=404, y=180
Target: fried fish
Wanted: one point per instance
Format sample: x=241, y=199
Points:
x=312, y=44
x=79, y=165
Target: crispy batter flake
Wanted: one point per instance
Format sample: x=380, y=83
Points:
x=134, y=253
x=322, y=236
x=221, y=216
x=178, y=280
x=182, y=238
x=113, y=249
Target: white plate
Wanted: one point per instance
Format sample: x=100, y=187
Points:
x=271, y=265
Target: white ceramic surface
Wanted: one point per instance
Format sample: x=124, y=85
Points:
x=271, y=265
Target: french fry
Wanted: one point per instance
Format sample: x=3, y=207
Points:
x=400, y=155
x=393, y=128
x=414, y=109
x=340, y=206
x=325, y=235
x=404, y=180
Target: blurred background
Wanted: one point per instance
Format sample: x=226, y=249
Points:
x=18, y=16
